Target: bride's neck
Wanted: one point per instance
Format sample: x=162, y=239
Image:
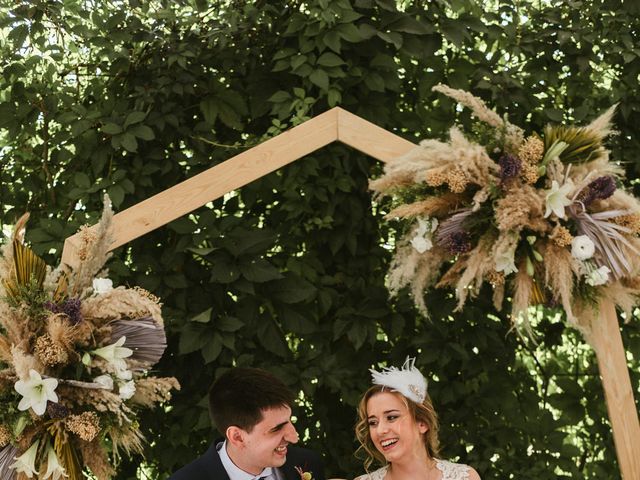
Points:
x=418, y=466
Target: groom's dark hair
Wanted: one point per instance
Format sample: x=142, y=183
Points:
x=240, y=395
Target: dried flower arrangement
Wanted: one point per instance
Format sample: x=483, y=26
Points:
x=74, y=360
x=543, y=218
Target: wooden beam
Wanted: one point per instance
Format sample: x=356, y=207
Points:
x=215, y=182
x=606, y=340
x=369, y=138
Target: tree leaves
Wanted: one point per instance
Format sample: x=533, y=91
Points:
x=288, y=272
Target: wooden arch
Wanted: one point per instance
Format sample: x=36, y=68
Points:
x=340, y=125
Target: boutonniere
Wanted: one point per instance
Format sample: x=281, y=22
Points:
x=304, y=475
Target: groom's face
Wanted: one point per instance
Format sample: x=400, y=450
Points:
x=266, y=444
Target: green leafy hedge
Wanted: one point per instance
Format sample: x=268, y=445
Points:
x=288, y=273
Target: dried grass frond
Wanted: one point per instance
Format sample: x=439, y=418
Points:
x=520, y=208
x=625, y=297
x=120, y=303
x=95, y=457
x=403, y=267
x=150, y=391
x=560, y=272
x=478, y=264
x=426, y=274
x=389, y=182
x=128, y=439
x=15, y=322
x=601, y=126
x=5, y=350
x=23, y=362
x=433, y=158
x=93, y=252
x=498, y=296
x=521, y=299
x=620, y=200
x=477, y=105
x=434, y=206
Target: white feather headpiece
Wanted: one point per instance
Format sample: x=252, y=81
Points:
x=406, y=380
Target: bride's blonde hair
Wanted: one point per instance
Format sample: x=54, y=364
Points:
x=420, y=412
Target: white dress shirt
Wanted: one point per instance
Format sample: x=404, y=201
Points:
x=236, y=473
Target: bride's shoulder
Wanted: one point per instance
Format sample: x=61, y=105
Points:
x=456, y=471
x=377, y=475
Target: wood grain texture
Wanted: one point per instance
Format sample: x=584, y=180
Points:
x=369, y=138
x=606, y=340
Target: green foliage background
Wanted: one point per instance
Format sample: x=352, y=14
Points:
x=132, y=97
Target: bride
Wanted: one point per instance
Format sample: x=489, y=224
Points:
x=398, y=427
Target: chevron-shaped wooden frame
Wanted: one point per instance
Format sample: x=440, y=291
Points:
x=339, y=125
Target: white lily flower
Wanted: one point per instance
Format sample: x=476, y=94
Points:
x=102, y=285
x=115, y=353
x=598, y=276
x=421, y=244
x=127, y=390
x=105, y=381
x=582, y=247
x=422, y=238
x=36, y=392
x=54, y=469
x=124, y=374
x=506, y=263
x=557, y=199
x=26, y=463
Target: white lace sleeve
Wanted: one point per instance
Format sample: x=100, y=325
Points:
x=453, y=471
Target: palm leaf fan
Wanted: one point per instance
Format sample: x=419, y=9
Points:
x=61, y=288
x=584, y=144
x=28, y=269
x=67, y=455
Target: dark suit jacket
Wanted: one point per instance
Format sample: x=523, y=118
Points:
x=209, y=466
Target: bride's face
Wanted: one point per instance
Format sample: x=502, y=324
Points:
x=393, y=429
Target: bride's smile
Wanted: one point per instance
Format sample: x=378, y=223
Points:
x=392, y=428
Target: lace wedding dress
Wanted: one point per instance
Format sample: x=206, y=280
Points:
x=450, y=471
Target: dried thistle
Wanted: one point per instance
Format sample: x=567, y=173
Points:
x=531, y=151
x=49, y=352
x=150, y=391
x=561, y=236
x=5, y=436
x=85, y=425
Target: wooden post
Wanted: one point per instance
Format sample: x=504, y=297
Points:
x=606, y=340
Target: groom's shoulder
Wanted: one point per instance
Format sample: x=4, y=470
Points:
x=200, y=468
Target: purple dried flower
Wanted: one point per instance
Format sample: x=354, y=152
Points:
x=599, y=189
x=57, y=411
x=70, y=307
x=452, y=235
x=509, y=167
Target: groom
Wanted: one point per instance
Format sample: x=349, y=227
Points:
x=252, y=408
